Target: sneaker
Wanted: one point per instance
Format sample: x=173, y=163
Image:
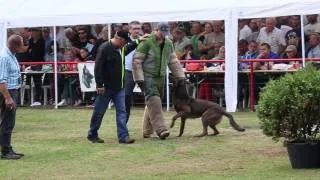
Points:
x=62, y=103
x=35, y=104
x=164, y=134
x=127, y=140
x=10, y=156
x=19, y=154
x=96, y=140
x=78, y=103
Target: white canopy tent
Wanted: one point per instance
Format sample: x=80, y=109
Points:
x=34, y=13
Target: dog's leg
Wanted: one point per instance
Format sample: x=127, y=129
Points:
x=178, y=115
x=215, y=130
x=205, y=128
x=183, y=122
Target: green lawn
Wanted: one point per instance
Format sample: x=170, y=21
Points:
x=55, y=145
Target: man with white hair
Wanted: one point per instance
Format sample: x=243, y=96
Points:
x=10, y=80
x=273, y=36
x=134, y=30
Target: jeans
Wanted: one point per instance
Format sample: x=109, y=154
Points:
x=7, y=120
x=129, y=86
x=71, y=85
x=100, y=106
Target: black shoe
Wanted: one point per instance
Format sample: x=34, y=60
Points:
x=164, y=134
x=19, y=154
x=127, y=140
x=96, y=140
x=10, y=156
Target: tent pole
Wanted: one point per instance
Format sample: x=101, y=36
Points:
x=109, y=31
x=55, y=67
x=3, y=35
x=302, y=42
x=167, y=88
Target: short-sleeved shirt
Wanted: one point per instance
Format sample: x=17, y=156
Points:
x=310, y=28
x=274, y=38
x=9, y=70
x=314, y=52
x=179, y=45
x=214, y=38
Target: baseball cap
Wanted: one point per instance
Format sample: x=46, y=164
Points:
x=164, y=28
x=46, y=29
x=180, y=29
x=123, y=34
x=291, y=48
x=35, y=29
x=294, y=33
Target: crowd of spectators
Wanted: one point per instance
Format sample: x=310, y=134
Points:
x=259, y=38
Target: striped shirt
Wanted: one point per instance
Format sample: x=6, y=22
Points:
x=9, y=70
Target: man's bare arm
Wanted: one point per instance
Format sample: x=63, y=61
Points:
x=4, y=91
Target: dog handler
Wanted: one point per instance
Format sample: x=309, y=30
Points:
x=149, y=71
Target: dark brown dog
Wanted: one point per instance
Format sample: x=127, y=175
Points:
x=188, y=107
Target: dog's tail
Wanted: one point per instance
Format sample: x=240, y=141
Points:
x=233, y=122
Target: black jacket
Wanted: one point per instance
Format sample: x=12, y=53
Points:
x=109, y=65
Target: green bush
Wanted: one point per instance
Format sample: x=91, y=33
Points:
x=289, y=107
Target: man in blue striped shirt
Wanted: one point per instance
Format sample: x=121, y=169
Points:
x=10, y=80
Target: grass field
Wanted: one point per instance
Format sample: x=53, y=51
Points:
x=55, y=145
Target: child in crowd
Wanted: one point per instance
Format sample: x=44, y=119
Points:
x=71, y=91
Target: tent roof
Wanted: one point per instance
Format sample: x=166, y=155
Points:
x=21, y=13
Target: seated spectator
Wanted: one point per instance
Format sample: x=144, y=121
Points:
x=220, y=56
x=188, y=53
x=264, y=53
x=218, y=34
x=92, y=40
x=313, y=25
x=36, y=50
x=103, y=37
x=49, y=79
x=272, y=36
x=293, y=37
x=146, y=28
x=314, y=47
x=125, y=27
x=84, y=55
x=180, y=41
x=283, y=24
x=252, y=53
x=216, y=48
x=84, y=39
x=255, y=30
x=242, y=47
x=291, y=53
x=206, y=39
x=96, y=30
x=196, y=33
x=205, y=90
x=244, y=30
x=72, y=39
x=47, y=38
x=71, y=92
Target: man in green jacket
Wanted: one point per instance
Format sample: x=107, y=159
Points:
x=149, y=71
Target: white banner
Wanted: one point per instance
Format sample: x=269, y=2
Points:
x=86, y=77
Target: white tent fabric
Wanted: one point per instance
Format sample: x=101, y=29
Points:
x=3, y=35
x=33, y=13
